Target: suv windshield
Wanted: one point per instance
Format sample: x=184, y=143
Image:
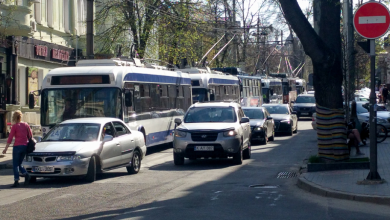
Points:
x=254, y=113
x=210, y=114
x=277, y=109
x=305, y=99
x=74, y=132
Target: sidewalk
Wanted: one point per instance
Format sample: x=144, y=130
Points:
x=5, y=159
x=343, y=184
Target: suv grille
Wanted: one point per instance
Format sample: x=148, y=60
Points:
x=204, y=136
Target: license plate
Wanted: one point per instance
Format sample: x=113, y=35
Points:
x=43, y=169
x=304, y=113
x=204, y=148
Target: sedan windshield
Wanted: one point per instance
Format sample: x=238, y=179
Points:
x=254, y=113
x=305, y=99
x=207, y=114
x=277, y=109
x=74, y=132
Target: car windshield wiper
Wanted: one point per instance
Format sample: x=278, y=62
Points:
x=72, y=140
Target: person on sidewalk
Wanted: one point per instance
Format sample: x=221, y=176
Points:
x=354, y=136
x=385, y=92
x=21, y=131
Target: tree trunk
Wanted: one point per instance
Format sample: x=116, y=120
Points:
x=324, y=49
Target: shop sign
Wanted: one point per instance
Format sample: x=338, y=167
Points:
x=41, y=50
x=60, y=54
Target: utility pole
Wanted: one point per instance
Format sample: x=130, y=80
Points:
x=235, y=49
x=90, y=12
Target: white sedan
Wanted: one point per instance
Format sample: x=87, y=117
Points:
x=84, y=147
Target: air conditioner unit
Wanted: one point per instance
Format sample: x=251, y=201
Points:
x=33, y=26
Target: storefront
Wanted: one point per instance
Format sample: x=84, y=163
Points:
x=32, y=61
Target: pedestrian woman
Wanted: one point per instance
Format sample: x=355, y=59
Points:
x=21, y=131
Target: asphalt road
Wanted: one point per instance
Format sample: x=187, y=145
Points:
x=202, y=189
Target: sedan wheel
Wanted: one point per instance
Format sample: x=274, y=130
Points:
x=296, y=128
x=91, y=174
x=264, y=142
x=135, y=163
x=273, y=136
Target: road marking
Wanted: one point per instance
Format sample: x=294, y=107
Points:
x=372, y=20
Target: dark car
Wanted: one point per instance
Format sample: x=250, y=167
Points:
x=305, y=105
x=286, y=120
x=262, y=124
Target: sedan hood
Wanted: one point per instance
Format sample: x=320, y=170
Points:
x=256, y=122
x=280, y=117
x=63, y=146
x=206, y=126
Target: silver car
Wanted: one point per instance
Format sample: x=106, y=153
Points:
x=84, y=147
x=212, y=130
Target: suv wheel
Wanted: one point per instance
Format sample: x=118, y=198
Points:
x=273, y=136
x=248, y=152
x=178, y=159
x=237, y=157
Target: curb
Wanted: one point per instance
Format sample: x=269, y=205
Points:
x=326, y=192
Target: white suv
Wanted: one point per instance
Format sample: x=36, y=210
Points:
x=212, y=130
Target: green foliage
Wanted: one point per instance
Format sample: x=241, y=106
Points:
x=314, y=159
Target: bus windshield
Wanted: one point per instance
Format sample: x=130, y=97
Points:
x=62, y=104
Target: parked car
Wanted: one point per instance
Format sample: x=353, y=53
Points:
x=262, y=124
x=84, y=147
x=212, y=130
x=305, y=105
x=286, y=120
x=363, y=114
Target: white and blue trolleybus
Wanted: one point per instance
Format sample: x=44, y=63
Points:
x=146, y=97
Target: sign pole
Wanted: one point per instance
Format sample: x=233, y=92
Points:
x=373, y=175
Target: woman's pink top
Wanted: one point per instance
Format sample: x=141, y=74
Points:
x=19, y=131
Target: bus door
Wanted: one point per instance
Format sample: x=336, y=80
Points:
x=286, y=92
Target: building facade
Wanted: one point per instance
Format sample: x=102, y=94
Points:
x=36, y=36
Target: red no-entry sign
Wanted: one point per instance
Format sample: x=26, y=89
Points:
x=372, y=20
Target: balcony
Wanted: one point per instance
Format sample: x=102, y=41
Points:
x=15, y=20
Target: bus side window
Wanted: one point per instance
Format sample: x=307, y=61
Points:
x=141, y=90
x=146, y=90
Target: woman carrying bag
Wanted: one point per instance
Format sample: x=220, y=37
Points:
x=22, y=133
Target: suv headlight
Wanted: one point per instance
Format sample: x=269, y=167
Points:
x=258, y=128
x=285, y=121
x=230, y=133
x=180, y=133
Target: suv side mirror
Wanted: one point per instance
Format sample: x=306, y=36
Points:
x=244, y=120
x=177, y=121
x=108, y=138
x=293, y=113
x=31, y=101
x=128, y=98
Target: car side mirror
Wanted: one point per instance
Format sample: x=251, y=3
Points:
x=128, y=98
x=178, y=121
x=293, y=113
x=269, y=118
x=108, y=138
x=31, y=101
x=244, y=120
